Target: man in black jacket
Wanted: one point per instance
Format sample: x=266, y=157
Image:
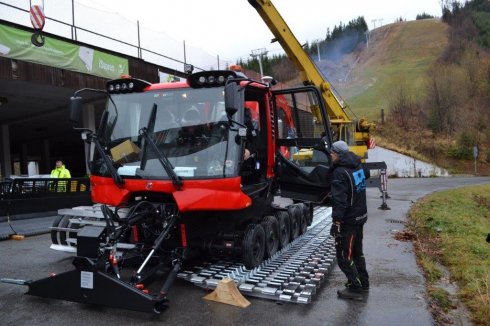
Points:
x=349, y=213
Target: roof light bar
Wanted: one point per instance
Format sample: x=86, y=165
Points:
x=214, y=78
x=126, y=85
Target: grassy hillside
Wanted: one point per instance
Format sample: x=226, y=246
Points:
x=398, y=54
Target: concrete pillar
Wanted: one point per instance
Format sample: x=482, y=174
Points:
x=23, y=160
x=6, y=162
x=88, y=122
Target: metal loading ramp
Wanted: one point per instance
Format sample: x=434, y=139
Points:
x=294, y=274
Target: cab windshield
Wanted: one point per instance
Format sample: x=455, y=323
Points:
x=190, y=130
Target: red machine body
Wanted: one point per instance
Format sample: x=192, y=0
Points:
x=185, y=171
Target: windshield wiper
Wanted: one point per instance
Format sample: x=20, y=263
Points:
x=117, y=178
x=145, y=131
x=105, y=118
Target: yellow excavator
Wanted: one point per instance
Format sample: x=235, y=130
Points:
x=357, y=133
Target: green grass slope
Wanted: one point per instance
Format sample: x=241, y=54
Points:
x=398, y=54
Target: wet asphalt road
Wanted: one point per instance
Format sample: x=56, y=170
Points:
x=397, y=295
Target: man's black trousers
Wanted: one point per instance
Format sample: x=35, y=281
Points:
x=350, y=256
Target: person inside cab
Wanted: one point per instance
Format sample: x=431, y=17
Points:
x=192, y=131
x=251, y=164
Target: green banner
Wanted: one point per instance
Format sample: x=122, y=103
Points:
x=16, y=44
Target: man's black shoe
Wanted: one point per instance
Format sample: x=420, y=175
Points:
x=351, y=294
x=364, y=289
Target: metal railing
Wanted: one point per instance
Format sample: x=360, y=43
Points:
x=5, y=187
x=24, y=188
x=27, y=196
x=74, y=28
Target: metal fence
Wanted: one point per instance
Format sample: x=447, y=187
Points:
x=23, y=196
x=5, y=187
x=20, y=188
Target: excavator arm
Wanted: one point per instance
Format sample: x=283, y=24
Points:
x=355, y=133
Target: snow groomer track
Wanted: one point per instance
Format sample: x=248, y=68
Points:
x=294, y=274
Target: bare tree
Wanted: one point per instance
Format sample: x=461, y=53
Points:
x=446, y=92
x=401, y=105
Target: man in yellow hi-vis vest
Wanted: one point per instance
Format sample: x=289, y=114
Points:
x=60, y=172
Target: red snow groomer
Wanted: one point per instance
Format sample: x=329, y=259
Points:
x=184, y=170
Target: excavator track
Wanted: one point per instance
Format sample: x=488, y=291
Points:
x=294, y=274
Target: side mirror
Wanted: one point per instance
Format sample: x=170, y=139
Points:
x=232, y=98
x=75, y=110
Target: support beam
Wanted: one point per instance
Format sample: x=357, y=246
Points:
x=45, y=158
x=6, y=162
x=23, y=160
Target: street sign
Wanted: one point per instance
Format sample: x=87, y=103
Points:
x=37, y=17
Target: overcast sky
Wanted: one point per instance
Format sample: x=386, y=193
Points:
x=232, y=28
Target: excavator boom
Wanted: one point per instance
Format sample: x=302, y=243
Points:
x=356, y=134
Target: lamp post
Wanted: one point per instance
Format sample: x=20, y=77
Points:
x=258, y=53
x=317, y=41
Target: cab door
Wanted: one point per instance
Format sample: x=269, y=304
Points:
x=302, y=130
